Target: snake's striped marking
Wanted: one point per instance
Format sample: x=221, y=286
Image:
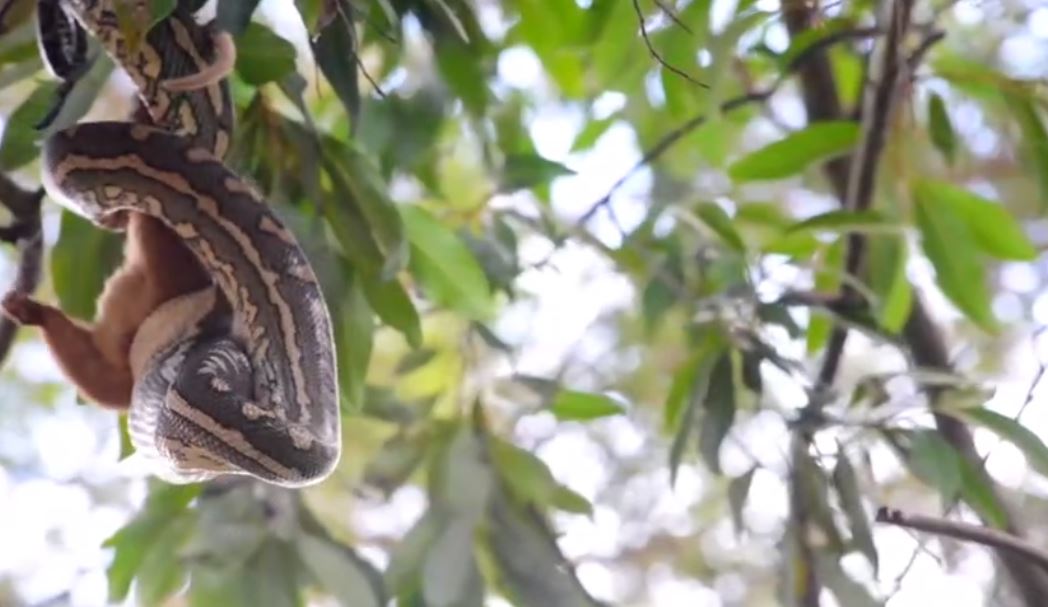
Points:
x=239, y=377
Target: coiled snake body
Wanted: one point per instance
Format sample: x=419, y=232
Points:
x=240, y=380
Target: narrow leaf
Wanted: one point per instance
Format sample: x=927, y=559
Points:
x=738, y=491
x=940, y=127
x=847, y=485
x=339, y=571
x=81, y=260
x=714, y=216
x=844, y=221
x=335, y=49
x=935, y=462
x=1011, y=430
x=719, y=411
x=444, y=264
x=574, y=405
x=20, y=140
x=523, y=171
x=949, y=245
x=797, y=151
x=993, y=228
x=263, y=56
x=530, y=564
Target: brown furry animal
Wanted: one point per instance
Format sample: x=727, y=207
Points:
x=157, y=268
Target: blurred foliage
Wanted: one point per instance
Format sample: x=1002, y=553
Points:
x=406, y=156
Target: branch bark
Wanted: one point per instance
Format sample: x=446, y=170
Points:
x=964, y=531
x=852, y=181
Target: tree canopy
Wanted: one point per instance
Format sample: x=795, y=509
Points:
x=636, y=302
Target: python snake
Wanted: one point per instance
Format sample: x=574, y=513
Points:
x=240, y=377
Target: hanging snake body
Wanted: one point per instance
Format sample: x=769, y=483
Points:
x=240, y=377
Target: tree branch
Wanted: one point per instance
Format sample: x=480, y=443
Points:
x=964, y=531
x=921, y=334
x=655, y=54
x=25, y=232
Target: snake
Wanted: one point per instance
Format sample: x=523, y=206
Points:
x=240, y=377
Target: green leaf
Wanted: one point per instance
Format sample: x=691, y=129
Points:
x=827, y=279
x=574, y=405
x=354, y=329
x=443, y=263
x=363, y=217
x=949, y=245
x=847, y=485
x=844, y=221
x=530, y=479
x=888, y=280
x=940, y=128
x=797, y=151
x=133, y=541
x=263, y=56
x=463, y=481
x=408, y=555
x=993, y=228
x=738, y=491
x=847, y=590
x=978, y=492
x=19, y=144
x=935, y=462
x=339, y=571
x=233, y=16
x=450, y=576
x=83, y=94
x=814, y=495
x=686, y=394
x=714, y=216
x=1035, y=138
x=396, y=461
x=719, y=411
x=393, y=305
x=530, y=564
x=335, y=50
x=522, y=171
x=126, y=447
x=161, y=573
x=591, y=132
x=1011, y=430
x=462, y=67
x=81, y=260
x=159, y=10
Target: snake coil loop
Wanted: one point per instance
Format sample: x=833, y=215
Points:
x=238, y=377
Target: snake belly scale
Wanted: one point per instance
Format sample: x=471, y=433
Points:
x=239, y=377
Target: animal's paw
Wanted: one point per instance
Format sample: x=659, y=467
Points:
x=23, y=309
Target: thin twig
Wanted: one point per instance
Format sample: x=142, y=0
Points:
x=669, y=12
x=986, y=536
x=671, y=138
x=655, y=54
x=666, y=142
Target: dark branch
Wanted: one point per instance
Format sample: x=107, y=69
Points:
x=879, y=102
x=668, y=11
x=964, y=531
x=25, y=232
x=921, y=334
x=655, y=54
